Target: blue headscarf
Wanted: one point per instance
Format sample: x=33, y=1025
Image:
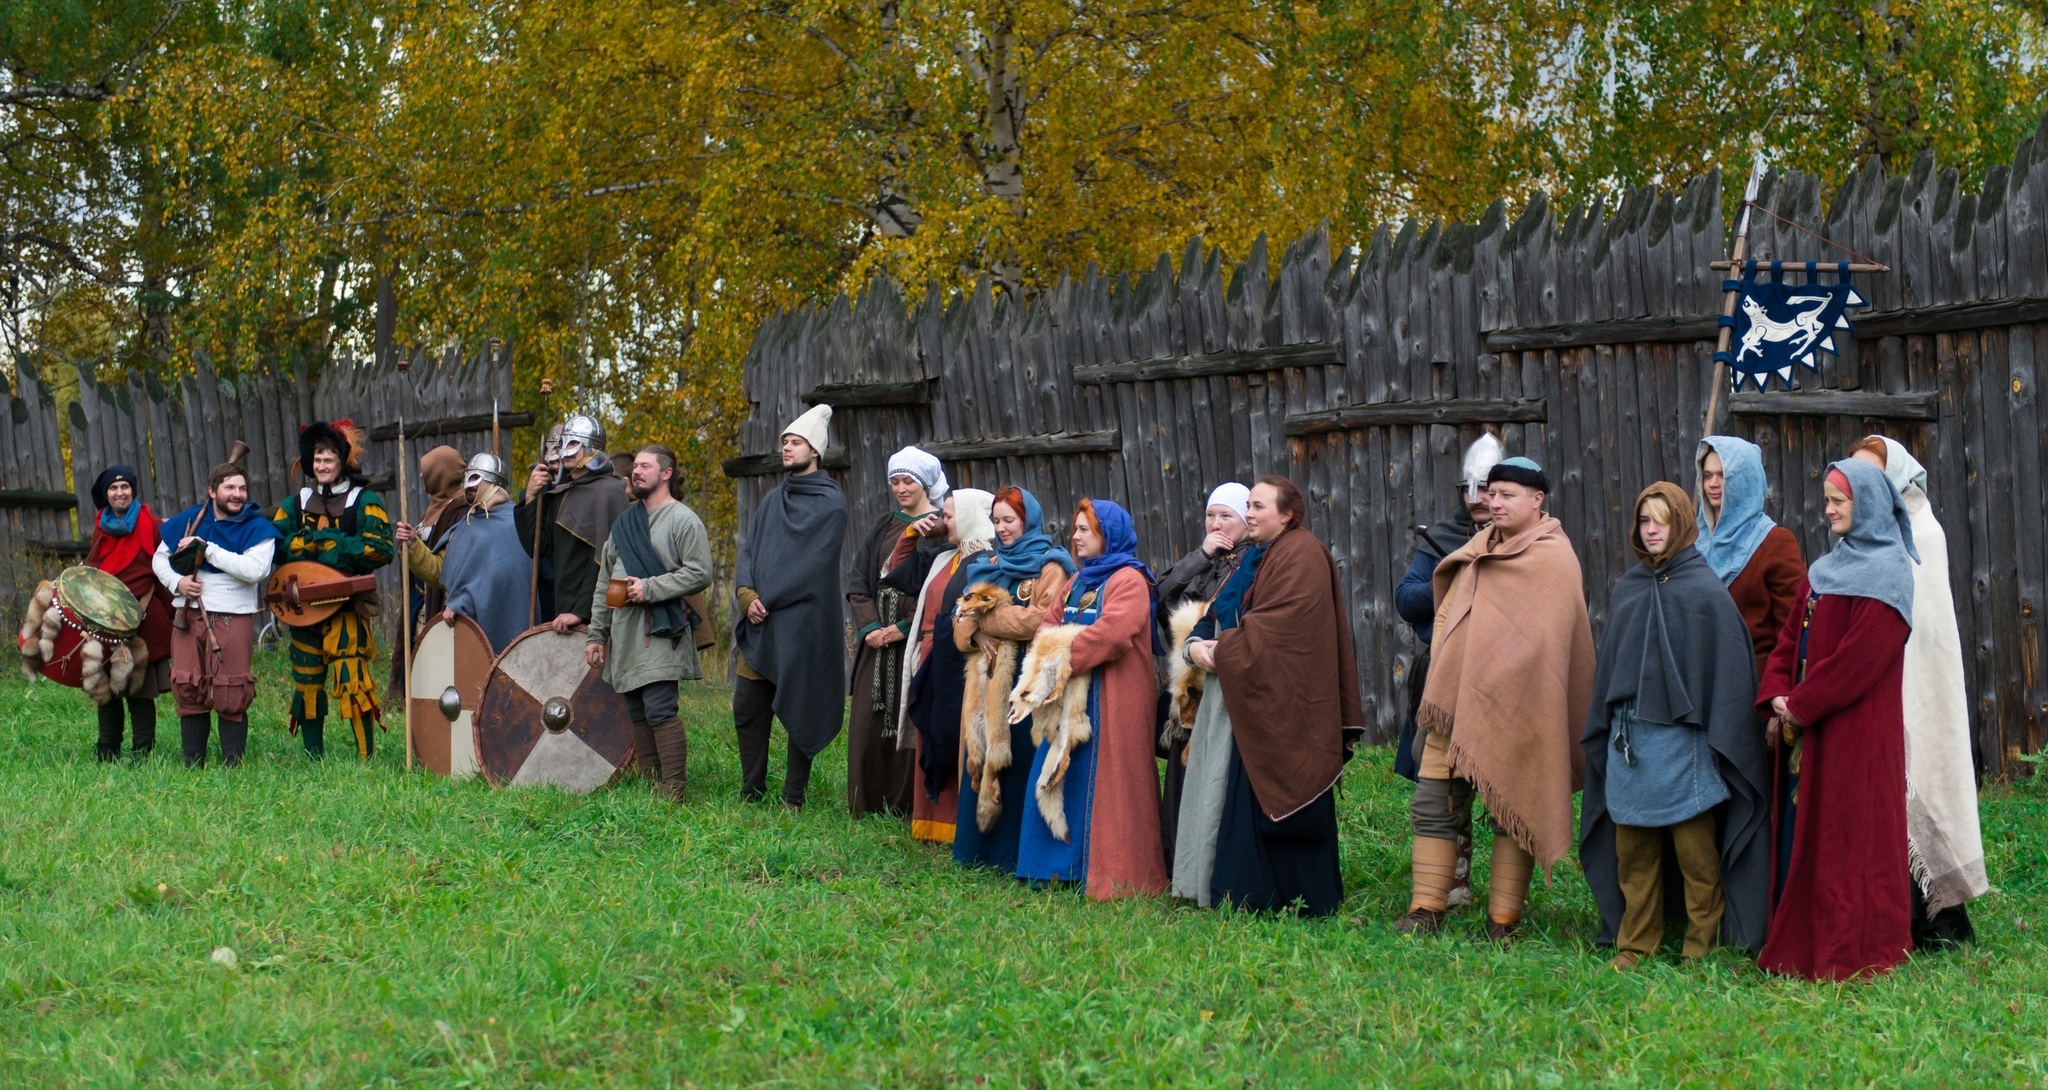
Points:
x=1023, y=558
x=1730, y=537
x=1119, y=551
x=1875, y=558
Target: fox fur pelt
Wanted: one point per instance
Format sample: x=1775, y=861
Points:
x=1184, y=680
x=37, y=645
x=983, y=722
x=1048, y=675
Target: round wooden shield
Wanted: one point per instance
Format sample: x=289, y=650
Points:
x=448, y=657
x=548, y=718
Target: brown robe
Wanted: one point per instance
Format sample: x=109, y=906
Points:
x=1511, y=679
x=879, y=772
x=1767, y=589
x=1290, y=679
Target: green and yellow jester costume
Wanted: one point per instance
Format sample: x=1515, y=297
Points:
x=345, y=526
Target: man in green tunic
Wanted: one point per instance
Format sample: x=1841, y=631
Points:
x=338, y=521
x=659, y=549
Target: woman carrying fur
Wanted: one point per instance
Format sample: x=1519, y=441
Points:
x=1089, y=679
x=1008, y=594
x=934, y=671
x=1185, y=591
x=1259, y=820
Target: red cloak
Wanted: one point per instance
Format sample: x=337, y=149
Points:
x=1845, y=909
x=128, y=558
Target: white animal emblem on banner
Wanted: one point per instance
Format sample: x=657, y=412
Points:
x=1779, y=325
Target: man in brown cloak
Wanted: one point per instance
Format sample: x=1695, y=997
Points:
x=1510, y=679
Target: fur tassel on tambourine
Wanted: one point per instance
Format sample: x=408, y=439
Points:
x=1048, y=675
x=984, y=706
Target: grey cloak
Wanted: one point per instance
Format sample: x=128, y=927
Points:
x=485, y=573
x=1677, y=646
x=791, y=560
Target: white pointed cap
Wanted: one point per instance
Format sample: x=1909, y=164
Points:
x=811, y=427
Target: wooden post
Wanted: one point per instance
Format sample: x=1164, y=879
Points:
x=1737, y=253
x=405, y=599
x=533, y=588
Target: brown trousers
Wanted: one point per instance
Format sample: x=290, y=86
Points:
x=1639, y=865
x=210, y=664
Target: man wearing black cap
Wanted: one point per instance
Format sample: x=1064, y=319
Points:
x=1510, y=680
x=337, y=521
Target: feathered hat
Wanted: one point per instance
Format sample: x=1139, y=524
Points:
x=342, y=436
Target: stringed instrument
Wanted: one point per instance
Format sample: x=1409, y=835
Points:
x=302, y=593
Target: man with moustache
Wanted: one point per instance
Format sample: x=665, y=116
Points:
x=659, y=549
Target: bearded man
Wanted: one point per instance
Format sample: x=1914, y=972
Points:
x=641, y=631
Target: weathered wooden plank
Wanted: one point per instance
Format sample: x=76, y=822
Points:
x=1857, y=403
x=854, y=395
x=1218, y=363
x=1391, y=413
x=38, y=499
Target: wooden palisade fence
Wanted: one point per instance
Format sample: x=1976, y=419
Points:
x=174, y=436
x=1584, y=340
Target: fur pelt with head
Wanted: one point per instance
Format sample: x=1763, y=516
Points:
x=1184, y=680
x=984, y=722
x=1048, y=675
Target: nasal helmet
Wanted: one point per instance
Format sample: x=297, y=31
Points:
x=580, y=435
x=485, y=469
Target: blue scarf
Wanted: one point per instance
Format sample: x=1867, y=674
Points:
x=1730, y=538
x=237, y=535
x=1119, y=551
x=1875, y=558
x=122, y=524
x=1228, y=607
x=1023, y=558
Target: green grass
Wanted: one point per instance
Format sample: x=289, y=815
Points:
x=397, y=930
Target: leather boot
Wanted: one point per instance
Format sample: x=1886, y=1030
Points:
x=234, y=740
x=672, y=741
x=142, y=726
x=1435, y=867
x=646, y=753
x=1507, y=889
x=109, y=746
x=192, y=732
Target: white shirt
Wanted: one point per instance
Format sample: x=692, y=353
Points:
x=236, y=588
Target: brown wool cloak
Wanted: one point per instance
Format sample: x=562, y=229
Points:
x=1511, y=677
x=1289, y=677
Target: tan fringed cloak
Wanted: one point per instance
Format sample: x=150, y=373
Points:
x=1511, y=677
x=1290, y=680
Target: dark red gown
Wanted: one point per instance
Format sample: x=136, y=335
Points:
x=1844, y=910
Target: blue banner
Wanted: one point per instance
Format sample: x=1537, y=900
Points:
x=1779, y=325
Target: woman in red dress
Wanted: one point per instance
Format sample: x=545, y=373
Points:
x=1842, y=906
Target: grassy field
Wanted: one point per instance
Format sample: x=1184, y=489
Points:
x=397, y=930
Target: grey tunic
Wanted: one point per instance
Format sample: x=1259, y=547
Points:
x=632, y=657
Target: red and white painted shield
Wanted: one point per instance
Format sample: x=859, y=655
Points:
x=449, y=658
x=549, y=719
